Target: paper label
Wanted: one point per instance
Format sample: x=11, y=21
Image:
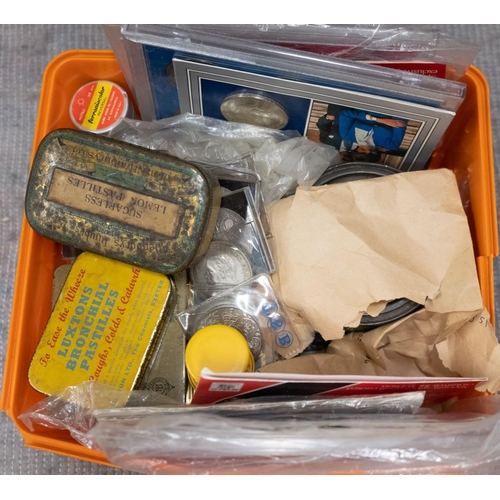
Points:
x=114, y=202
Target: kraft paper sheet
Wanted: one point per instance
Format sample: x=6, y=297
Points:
x=345, y=249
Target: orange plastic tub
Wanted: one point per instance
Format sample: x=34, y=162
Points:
x=466, y=149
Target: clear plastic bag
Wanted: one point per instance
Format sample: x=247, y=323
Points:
x=73, y=409
x=283, y=159
x=194, y=137
x=142, y=432
x=362, y=443
x=255, y=307
x=243, y=46
x=279, y=408
x=376, y=43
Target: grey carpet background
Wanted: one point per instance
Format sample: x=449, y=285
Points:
x=25, y=51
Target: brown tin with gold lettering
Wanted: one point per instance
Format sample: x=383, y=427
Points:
x=121, y=201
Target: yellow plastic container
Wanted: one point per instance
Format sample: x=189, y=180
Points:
x=220, y=348
x=466, y=149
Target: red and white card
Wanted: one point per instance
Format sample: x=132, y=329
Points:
x=217, y=387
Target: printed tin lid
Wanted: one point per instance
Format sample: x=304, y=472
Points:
x=103, y=327
x=353, y=171
x=122, y=201
x=221, y=349
x=99, y=106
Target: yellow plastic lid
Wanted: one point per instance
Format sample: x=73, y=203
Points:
x=221, y=349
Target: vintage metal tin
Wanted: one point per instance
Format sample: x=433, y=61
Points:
x=121, y=201
x=166, y=371
x=99, y=107
x=103, y=327
x=348, y=172
x=58, y=279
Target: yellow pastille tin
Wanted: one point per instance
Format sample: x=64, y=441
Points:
x=221, y=349
x=103, y=326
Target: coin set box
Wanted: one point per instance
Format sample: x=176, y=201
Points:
x=184, y=70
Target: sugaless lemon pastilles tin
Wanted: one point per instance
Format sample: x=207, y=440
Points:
x=103, y=327
x=121, y=201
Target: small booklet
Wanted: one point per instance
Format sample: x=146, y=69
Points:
x=216, y=387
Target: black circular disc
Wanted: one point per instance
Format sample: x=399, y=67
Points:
x=347, y=172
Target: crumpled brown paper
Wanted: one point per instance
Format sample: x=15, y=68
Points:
x=345, y=249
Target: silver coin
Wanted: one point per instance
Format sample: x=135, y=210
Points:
x=254, y=109
x=229, y=225
x=243, y=322
x=233, y=228
x=223, y=264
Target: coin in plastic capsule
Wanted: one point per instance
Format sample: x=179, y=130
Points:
x=221, y=349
